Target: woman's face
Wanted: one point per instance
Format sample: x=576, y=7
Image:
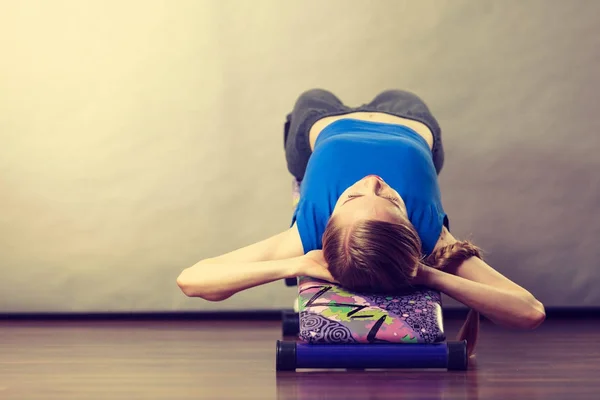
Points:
x=370, y=198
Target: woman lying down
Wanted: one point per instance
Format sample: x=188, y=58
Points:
x=370, y=216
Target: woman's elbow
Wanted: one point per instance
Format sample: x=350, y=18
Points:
x=190, y=288
x=535, y=316
x=186, y=285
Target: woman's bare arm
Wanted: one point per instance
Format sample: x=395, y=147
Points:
x=216, y=282
x=479, y=286
x=278, y=257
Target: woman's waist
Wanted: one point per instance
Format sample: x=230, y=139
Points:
x=377, y=117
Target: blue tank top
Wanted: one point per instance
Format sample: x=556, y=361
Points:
x=348, y=150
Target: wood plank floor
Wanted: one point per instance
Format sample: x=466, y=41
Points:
x=235, y=360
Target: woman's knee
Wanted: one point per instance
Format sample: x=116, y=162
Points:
x=395, y=94
x=317, y=95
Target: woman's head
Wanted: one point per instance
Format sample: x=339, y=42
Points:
x=372, y=255
x=369, y=243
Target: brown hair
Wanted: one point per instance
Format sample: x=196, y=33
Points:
x=382, y=257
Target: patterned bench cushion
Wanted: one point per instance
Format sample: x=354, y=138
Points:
x=331, y=314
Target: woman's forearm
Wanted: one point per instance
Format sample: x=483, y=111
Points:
x=513, y=309
x=216, y=281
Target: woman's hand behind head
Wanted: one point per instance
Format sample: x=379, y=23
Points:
x=315, y=266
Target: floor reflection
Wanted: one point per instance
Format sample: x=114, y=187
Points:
x=378, y=384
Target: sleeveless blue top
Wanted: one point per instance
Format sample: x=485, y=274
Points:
x=346, y=151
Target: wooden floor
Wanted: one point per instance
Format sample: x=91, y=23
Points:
x=235, y=360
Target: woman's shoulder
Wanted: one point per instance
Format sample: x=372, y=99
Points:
x=428, y=218
x=311, y=219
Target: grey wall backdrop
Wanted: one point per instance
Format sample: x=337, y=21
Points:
x=138, y=137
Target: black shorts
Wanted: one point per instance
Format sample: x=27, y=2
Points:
x=317, y=103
